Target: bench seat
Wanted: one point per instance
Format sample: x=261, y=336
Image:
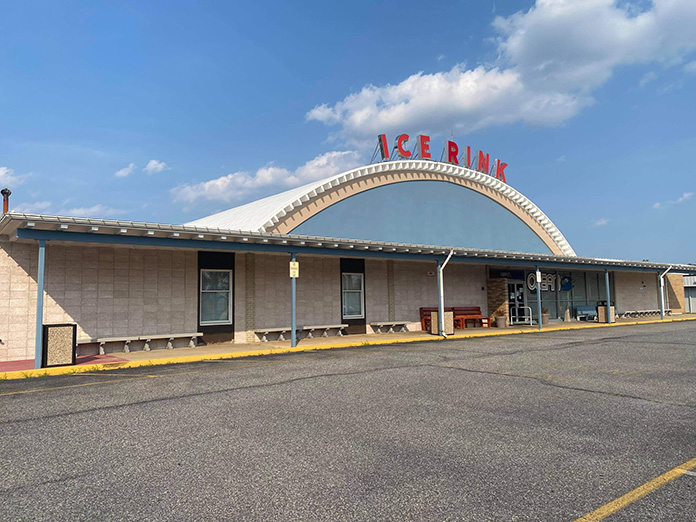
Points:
x=310, y=329
x=325, y=327
x=377, y=326
x=125, y=340
x=193, y=339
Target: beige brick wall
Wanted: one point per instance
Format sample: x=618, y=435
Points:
x=106, y=291
x=636, y=291
x=318, y=291
x=376, y=291
x=465, y=285
x=674, y=290
x=18, y=266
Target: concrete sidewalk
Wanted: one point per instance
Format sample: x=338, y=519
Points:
x=89, y=363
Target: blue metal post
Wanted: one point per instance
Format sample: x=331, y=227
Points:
x=440, y=301
x=293, y=291
x=538, y=290
x=606, y=282
x=38, y=348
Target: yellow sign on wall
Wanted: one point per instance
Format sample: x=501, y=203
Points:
x=294, y=269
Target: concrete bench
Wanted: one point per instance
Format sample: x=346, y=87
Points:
x=125, y=340
x=325, y=327
x=401, y=325
x=283, y=330
x=192, y=337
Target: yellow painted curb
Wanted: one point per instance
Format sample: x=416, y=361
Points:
x=69, y=370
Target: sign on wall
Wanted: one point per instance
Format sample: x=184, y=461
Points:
x=549, y=282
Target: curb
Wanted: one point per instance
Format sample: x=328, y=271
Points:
x=69, y=370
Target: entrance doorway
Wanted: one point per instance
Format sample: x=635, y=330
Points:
x=518, y=312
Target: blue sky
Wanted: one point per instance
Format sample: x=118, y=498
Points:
x=169, y=111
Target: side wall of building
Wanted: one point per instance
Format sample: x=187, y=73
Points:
x=635, y=291
x=674, y=286
x=106, y=291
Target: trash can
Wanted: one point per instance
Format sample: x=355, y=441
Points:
x=602, y=312
x=59, y=345
x=449, y=323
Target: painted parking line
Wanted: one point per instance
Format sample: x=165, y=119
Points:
x=639, y=492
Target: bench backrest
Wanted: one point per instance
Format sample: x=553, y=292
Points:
x=425, y=311
x=586, y=310
x=467, y=310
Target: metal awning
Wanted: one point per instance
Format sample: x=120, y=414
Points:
x=19, y=226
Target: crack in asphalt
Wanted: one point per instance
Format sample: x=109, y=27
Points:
x=200, y=394
x=565, y=387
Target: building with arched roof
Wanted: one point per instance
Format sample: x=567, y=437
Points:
x=375, y=246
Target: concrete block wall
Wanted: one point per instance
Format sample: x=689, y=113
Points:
x=376, y=291
x=416, y=286
x=318, y=291
x=635, y=291
x=18, y=268
x=106, y=291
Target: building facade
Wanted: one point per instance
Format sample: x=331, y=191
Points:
x=371, y=245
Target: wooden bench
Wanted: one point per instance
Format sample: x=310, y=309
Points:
x=193, y=339
x=464, y=315
x=425, y=312
x=377, y=327
x=281, y=331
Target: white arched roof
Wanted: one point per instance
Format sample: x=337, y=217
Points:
x=264, y=214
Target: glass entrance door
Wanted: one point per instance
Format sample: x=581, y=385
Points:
x=518, y=312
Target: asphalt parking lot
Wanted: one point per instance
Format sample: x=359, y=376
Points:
x=516, y=428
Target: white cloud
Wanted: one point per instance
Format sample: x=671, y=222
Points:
x=154, y=167
x=690, y=68
x=670, y=87
x=38, y=207
x=238, y=185
x=8, y=178
x=648, y=77
x=561, y=158
x=125, y=171
x=95, y=211
x=686, y=196
x=601, y=222
x=551, y=58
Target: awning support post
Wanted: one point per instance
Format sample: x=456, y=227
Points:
x=293, y=307
x=606, y=282
x=441, y=294
x=440, y=301
x=38, y=348
x=538, y=292
x=662, y=292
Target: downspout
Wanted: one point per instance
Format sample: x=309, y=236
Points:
x=441, y=294
x=662, y=292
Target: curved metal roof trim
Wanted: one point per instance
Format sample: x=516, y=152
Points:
x=265, y=213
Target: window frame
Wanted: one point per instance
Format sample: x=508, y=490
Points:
x=230, y=305
x=361, y=292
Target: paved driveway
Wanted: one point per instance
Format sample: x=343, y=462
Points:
x=529, y=427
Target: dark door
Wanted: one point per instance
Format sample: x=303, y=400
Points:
x=353, y=295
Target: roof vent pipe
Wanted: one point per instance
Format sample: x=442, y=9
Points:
x=5, y=200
